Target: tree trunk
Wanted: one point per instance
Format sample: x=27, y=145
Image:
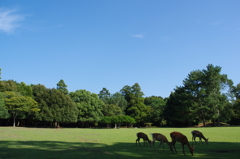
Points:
x=203, y=119
x=55, y=124
x=218, y=124
x=213, y=122
x=14, y=118
x=18, y=123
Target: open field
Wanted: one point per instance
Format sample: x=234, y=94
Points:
x=41, y=143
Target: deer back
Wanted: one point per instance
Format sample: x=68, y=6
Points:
x=142, y=135
x=197, y=133
x=155, y=136
x=179, y=137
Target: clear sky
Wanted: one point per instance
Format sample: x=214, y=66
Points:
x=92, y=44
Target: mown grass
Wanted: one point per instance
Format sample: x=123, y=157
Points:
x=41, y=143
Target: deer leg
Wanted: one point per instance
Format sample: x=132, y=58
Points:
x=170, y=146
x=159, y=144
x=147, y=143
x=138, y=141
x=192, y=140
x=153, y=142
x=183, y=149
x=173, y=144
x=195, y=140
x=200, y=139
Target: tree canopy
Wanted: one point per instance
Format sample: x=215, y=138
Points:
x=89, y=106
x=205, y=95
x=16, y=104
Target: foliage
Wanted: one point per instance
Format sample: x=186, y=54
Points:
x=177, y=111
x=55, y=106
x=136, y=107
x=42, y=95
x=61, y=86
x=204, y=90
x=157, y=105
x=3, y=111
x=8, y=85
x=23, y=89
x=236, y=105
x=127, y=120
x=89, y=106
x=104, y=95
x=113, y=102
x=111, y=110
x=118, y=100
x=205, y=95
x=16, y=104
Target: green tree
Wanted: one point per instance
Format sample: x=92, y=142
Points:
x=3, y=111
x=178, y=111
x=236, y=91
x=22, y=88
x=104, y=95
x=129, y=121
x=214, y=83
x=122, y=119
x=61, y=86
x=204, y=90
x=43, y=96
x=236, y=104
x=25, y=90
x=136, y=107
x=111, y=110
x=56, y=107
x=89, y=106
x=196, y=93
x=106, y=120
x=63, y=108
x=8, y=85
x=113, y=100
x=16, y=104
x=157, y=105
x=118, y=100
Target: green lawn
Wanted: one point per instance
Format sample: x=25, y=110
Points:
x=41, y=143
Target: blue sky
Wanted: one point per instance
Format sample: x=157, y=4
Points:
x=92, y=44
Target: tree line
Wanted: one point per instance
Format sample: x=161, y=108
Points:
x=205, y=95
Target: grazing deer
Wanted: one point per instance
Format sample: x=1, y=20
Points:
x=195, y=134
x=144, y=137
x=162, y=139
x=179, y=137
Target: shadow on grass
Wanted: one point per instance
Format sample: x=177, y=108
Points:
x=69, y=150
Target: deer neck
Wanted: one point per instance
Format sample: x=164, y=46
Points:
x=188, y=145
x=204, y=138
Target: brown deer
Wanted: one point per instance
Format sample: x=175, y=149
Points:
x=179, y=137
x=162, y=139
x=195, y=134
x=144, y=137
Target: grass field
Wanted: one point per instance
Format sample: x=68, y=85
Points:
x=41, y=143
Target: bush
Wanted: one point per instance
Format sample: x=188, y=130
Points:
x=148, y=124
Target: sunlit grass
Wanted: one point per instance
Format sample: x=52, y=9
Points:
x=39, y=143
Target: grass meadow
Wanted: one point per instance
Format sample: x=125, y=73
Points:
x=65, y=143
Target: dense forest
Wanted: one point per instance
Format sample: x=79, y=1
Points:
x=205, y=96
